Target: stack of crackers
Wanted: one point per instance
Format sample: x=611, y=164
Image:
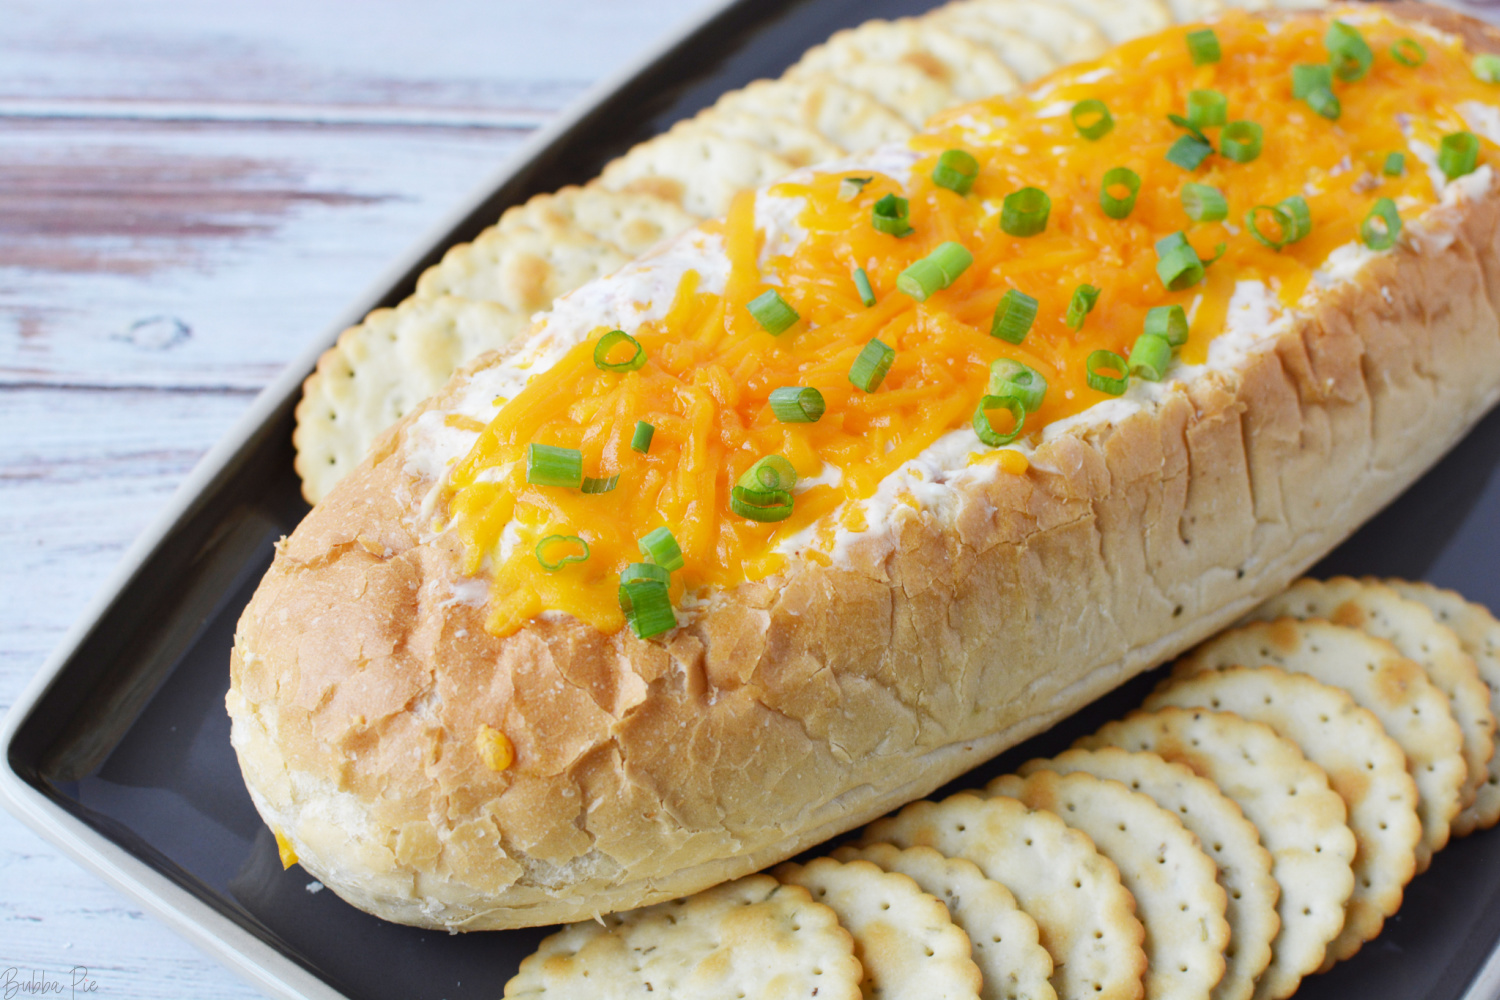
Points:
x=1254, y=822
x=865, y=86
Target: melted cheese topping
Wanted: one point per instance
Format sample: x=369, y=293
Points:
x=711, y=367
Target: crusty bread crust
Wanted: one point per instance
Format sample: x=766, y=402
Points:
x=796, y=708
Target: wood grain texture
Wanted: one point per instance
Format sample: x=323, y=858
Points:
x=189, y=193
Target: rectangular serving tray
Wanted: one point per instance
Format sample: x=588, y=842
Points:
x=118, y=751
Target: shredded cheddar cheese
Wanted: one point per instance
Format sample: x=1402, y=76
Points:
x=711, y=367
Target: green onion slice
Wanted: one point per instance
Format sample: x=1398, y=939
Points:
x=1284, y=226
x=608, y=342
x=862, y=284
x=850, y=187
x=772, y=312
x=601, y=484
x=797, y=404
x=641, y=440
x=1009, y=377
x=1408, y=52
x=550, y=466
x=1307, y=78
x=1025, y=212
x=1348, y=52
x=1177, y=263
x=1203, y=46
x=1150, y=356
x=649, y=572
x=1188, y=152
x=1204, y=203
x=1381, y=226
x=553, y=542
x=869, y=369
x=1324, y=102
x=891, y=216
x=660, y=546
x=1014, y=315
x=955, y=171
x=1486, y=66
x=1117, y=207
x=1206, y=108
x=773, y=472
x=647, y=608
x=1080, y=305
x=1300, y=217
x=1167, y=322
x=934, y=272
x=1395, y=164
x=1188, y=127
x=986, y=430
x=1092, y=119
x=1241, y=141
x=1459, y=154
x=1099, y=360
x=761, y=505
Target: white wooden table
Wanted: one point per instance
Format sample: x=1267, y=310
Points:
x=189, y=192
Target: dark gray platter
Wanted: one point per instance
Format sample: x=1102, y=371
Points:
x=119, y=750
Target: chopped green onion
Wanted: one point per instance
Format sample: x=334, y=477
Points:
x=649, y=572
x=1119, y=177
x=773, y=472
x=761, y=505
x=1080, y=305
x=1014, y=315
x=660, y=546
x=796, y=404
x=601, y=484
x=1206, y=108
x=550, y=466
x=850, y=187
x=1241, y=141
x=1300, y=217
x=936, y=271
x=891, y=216
x=955, y=171
x=1381, y=226
x=1203, y=46
x=862, y=285
x=1348, y=52
x=1459, y=154
x=869, y=369
x=1167, y=322
x=641, y=440
x=1009, y=377
x=1025, y=212
x=1324, y=102
x=647, y=608
x=986, y=430
x=608, y=342
x=1219, y=251
x=1190, y=128
x=1284, y=226
x=551, y=541
x=1188, y=151
x=1307, y=78
x=1114, y=385
x=1408, y=52
x=1204, y=203
x=1395, y=163
x=1486, y=67
x=1177, y=265
x=1092, y=119
x=1150, y=356
x=772, y=312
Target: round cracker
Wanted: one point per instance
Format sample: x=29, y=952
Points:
x=1372, y=607
x=694, y=167
x=904, y=937
x=906, y=90
x=966, y=69
x=630, y=221
x=1026, y=57
x=1177, y=894
x=1122, y=20
x=1413, y=711
x=1005, y=941
x=521, y=269
x=750, y=937
x=1085, y=916
x=796, y=143
x=850, y=119
x=1479, y=632
x=1071, y=36
x=1364, y=765
x=1244, y=866
x=1300, y=819
x=1192, y=11
x=379, y=371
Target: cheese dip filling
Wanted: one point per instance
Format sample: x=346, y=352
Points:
x=1022, y=261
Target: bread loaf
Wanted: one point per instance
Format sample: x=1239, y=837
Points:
x=443, y=747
